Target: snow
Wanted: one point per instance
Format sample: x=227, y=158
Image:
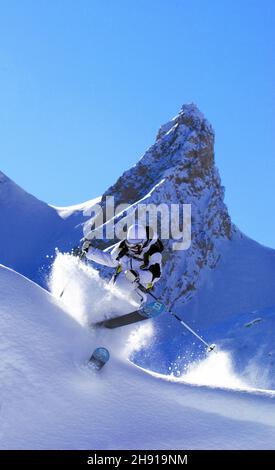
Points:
x=87, y=297
x=216, y=370
x=67, y=211
x=50, y=399
x=31, y=230
x=221, y=311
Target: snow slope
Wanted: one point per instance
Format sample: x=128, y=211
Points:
x=30, y=230
x=51, y=400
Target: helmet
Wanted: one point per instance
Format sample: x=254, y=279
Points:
x=136, y=238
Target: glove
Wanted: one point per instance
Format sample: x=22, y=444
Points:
x=132, y=276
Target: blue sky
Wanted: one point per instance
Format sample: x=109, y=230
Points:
x=84, y=87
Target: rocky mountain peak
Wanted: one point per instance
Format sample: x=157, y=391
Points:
x=184, y=147
x=189, y=116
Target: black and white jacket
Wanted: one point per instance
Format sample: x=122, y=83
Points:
x=147, y=264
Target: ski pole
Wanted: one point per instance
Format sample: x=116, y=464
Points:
x=211, y=347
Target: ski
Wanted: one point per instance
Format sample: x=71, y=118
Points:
x=99, y=358
x=150, y=310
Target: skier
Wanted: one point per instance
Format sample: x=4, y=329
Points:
x=138, y=255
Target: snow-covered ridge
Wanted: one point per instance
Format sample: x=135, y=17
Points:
x=67, y=211
x=30, y=230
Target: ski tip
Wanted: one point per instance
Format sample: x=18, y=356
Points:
x=99, y=358
x=102, y=354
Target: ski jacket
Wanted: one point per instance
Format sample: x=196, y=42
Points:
x=147, y=264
